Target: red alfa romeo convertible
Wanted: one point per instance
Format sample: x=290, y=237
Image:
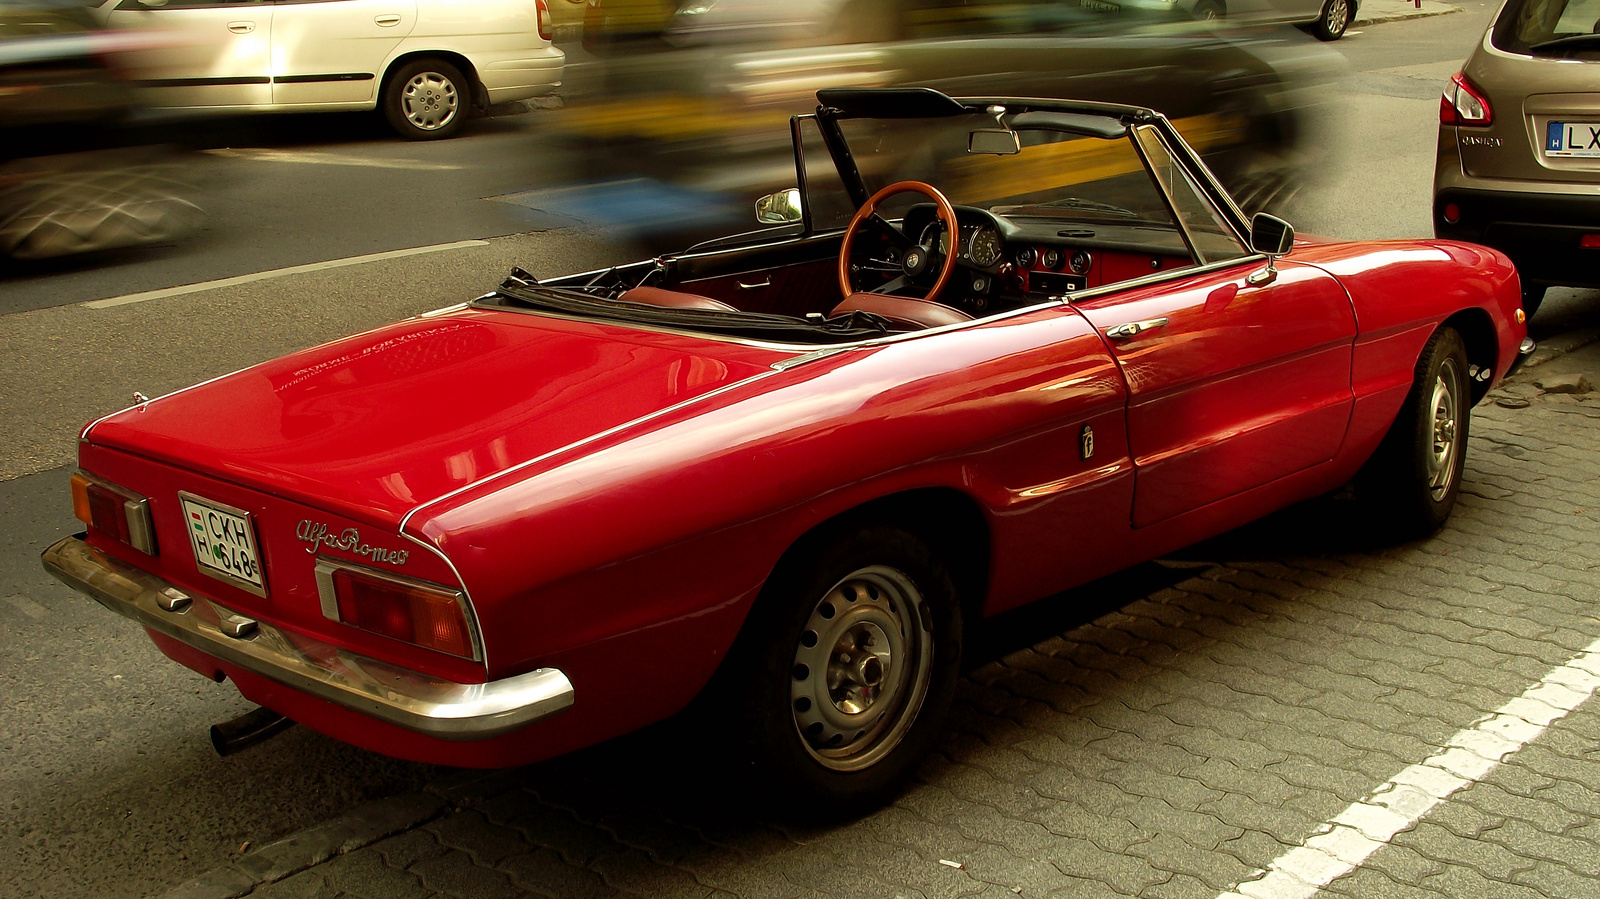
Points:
x=989, y=349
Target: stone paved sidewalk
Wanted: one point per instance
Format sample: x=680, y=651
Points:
x=1189, y=722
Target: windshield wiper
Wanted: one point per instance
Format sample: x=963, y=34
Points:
x=1570, y=42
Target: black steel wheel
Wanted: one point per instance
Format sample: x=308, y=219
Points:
x=1410, y=484
x=846, y=669
x=426, y=99
x=1331, y=24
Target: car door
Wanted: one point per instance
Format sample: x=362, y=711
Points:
x=333, y=51
x=219, y=54
x=1236, y=377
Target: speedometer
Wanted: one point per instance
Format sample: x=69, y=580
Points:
x=984, y=248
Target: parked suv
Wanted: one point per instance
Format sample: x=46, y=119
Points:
x=1519, y=144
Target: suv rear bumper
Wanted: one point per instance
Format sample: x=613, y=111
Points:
x=415, y=701
x=1540, y=231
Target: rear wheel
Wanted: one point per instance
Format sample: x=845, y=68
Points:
x=1331, y=24
x=1208, y=10
x=426, y=99
x=845, y=674
x=1410, y=484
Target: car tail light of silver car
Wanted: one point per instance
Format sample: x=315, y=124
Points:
x=114, y=511
x=546, y=31
x=1463, y=103
x=428, y=615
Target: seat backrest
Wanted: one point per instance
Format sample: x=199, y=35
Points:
x=674, y=299
x=905, y=312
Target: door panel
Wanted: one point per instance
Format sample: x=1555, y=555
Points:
x=1240, y=386
x=333, y=51
x=219, y=55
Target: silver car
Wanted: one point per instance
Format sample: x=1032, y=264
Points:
x=1518, y=166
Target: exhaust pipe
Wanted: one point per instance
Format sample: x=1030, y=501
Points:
x=247, y=730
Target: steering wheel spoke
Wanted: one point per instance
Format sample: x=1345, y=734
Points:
x=914, y=259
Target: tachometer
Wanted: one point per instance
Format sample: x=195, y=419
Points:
x=984, y=248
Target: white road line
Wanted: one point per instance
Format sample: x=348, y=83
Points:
x=277, y=273
x=1343, y=844
x=312, y=157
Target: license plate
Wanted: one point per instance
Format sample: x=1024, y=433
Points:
x=224, y=543
x=1572, y=139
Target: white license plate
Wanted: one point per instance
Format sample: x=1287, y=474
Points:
x=224, y=542
x=1572, y=139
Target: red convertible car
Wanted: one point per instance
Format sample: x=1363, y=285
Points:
x=989, y=350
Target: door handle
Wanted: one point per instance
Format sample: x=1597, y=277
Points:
x=241, y=27
x=1130, y=330
x=756, y=286
x=387, y=20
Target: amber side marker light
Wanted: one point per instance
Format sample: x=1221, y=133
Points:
x=416, y=612
x=114, y=511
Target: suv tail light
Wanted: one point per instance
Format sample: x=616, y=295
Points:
x=427, y=615
x=545, y=30
x=113, y=511
x=1463, y=103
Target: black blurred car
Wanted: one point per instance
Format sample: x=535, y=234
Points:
x=74, y=176
x=697, y=110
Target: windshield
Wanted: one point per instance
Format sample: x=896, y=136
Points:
x=1558, y=27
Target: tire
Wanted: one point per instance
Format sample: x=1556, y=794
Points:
x=1410, y=484
x=1332, y=22
x=827, y=730
x=427, y=99
x=1532, y=297
x=1207, y=10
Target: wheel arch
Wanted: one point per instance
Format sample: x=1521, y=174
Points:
x=480, y=94
x=1483, y=347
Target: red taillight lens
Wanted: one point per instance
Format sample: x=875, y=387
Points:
x=1464, y=104
x=545, y=30
x=415, y=612
x=113, y=511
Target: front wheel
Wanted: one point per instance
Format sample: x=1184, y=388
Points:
x=1331, y=24
x=1410, y=484
x=426, y=99
x=845, y=675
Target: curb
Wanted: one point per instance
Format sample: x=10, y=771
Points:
x=1407, y=11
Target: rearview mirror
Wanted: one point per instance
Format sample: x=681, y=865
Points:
x=781, y=208
x=1270, y=235
x=995, y=142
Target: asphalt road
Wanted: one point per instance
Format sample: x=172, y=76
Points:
x=108, y=786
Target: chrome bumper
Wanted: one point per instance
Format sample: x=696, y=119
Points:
x=428, y=705
x=1524, y=351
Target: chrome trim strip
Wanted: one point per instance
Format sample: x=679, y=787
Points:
x=329, y=600
x=412, y=700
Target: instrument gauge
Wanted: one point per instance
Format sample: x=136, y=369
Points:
x=984, y=247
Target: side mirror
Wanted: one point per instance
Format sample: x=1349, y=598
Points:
x=995, y=142
x=1270, y=235
x=781, y=208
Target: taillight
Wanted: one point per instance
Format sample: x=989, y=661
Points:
x=114, y=511
x=1464, y=104
x=545, y=30
x=427, y=615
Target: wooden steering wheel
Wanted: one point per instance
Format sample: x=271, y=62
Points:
x=914, y=261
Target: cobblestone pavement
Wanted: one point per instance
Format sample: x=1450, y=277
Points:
x=1190, y=722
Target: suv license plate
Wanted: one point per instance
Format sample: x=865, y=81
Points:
x=1572, y=139
x=224, y=543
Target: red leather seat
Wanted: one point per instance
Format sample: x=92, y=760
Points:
x=674, y=299
x=902, y=311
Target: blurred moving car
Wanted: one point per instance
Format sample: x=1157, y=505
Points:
x=792, y=472
x=1518, y=164
x=73, y=178
x=425, y=63
x=702, y=114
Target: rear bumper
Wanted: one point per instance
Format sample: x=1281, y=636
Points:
x=1539, y=230
x=417, y=702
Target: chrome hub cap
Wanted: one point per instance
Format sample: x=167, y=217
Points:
x=861, y=669
x=1446, y=407
x=430, y=101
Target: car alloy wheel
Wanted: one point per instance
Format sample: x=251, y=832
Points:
x=1446, y=404
x=861, y=669
x=1334, y=20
